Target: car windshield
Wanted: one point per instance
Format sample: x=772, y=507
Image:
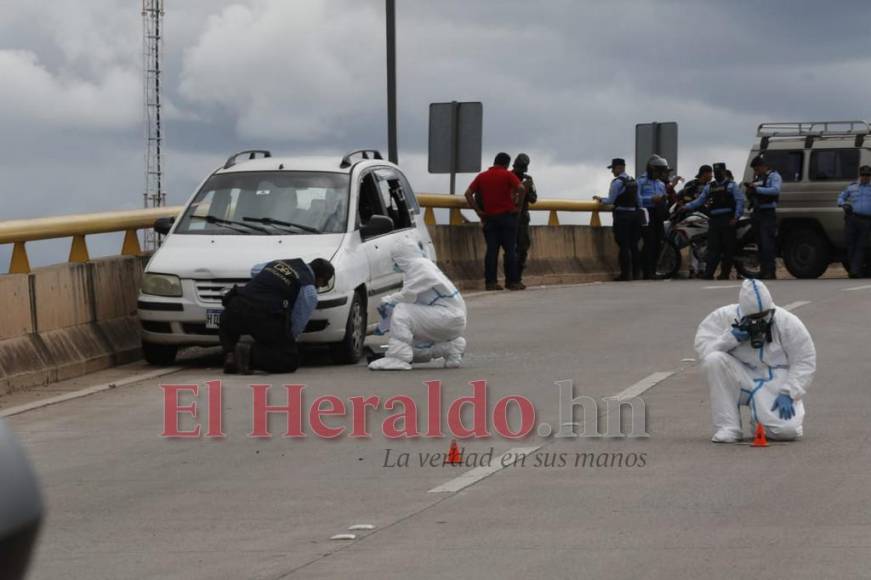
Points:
x=269, y=203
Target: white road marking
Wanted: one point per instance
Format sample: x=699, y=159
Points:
x=477, y=474
x=85, y=392
x=797, y=304
x=854, y=288
x=687, y=360
x=344, y=537
x=361, y=527
x=644, y=384
x=721, y=287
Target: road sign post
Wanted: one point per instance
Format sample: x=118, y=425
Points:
x=655, y=139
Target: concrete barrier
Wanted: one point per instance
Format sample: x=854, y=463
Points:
x=559, y=255
x=68, y=320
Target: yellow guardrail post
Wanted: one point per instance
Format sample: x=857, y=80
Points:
x=131, y=247
x=429, y=216
x=456, y=217
x=79, y=249
x=595, y=222
x=19, y=263
x=553, y=218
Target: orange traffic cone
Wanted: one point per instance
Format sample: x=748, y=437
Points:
x=454, y=455
x=760, y=440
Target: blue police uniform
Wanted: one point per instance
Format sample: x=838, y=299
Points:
x=654, y=232
x=766, y=195
x=856, y=199
x=623, y=196
x=726, y=202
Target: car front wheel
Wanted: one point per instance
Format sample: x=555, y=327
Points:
x=350, y=349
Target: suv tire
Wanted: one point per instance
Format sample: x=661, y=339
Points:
x=350, y=349
x=160, y=355
x=806, y=253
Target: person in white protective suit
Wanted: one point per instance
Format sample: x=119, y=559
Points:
x=428, y=314
x=756, y=354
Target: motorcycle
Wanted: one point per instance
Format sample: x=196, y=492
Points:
x=690, y=230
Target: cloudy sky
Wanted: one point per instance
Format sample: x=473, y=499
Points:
x=563, y=80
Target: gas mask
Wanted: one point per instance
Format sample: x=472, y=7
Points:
x=758, y=327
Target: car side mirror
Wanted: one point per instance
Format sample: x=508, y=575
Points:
x=376, y=226
x=163, y=225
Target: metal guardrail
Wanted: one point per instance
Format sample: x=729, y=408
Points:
x=19, y=232
x=456, y=203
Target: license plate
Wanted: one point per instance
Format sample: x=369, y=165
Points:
x=213, y=318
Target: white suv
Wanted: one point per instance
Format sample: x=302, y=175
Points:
x=257, y=208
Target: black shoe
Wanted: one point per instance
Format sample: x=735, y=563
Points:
x=517, y=286
x=493, y=286
x=706, y=277
x=243, y=358
x=724, y=277
x=230, y=364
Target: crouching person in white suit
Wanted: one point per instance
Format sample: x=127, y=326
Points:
x=428, y=314
x=756, y=354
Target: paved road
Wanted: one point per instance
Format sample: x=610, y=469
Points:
x=126, y=503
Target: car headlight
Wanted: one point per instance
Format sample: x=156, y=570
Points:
x=329, y=287
x=161, y=285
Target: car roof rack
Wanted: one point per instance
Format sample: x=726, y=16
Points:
x=364, y=154
x=813, y=129
x=251, y=153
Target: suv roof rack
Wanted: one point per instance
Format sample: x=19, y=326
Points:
x=364, y=153
x=251, y=153
x=814, y=129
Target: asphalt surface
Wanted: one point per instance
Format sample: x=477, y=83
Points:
x=126, y=503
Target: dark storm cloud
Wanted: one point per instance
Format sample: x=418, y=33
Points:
x=564, y=80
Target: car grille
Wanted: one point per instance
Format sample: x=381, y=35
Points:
x=213, y=290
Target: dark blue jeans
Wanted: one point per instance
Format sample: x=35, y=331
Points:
x=857, y=231
x=501, y=231
x=764, y=223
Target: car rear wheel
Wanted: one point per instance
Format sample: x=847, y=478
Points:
x=160, y=355
x=806, y=253
x=350, y=349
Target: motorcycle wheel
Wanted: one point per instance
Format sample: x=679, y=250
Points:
x=747, y=259
x=668, y=264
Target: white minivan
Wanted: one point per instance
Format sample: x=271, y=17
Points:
x=257, y=208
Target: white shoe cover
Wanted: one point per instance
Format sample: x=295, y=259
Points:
x=389, y=364
x=724, y=436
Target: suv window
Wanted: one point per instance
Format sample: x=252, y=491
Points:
x=393, y=196
x=834, y=164
x=788, y=163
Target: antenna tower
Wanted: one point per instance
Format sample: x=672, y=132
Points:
x=152, y=49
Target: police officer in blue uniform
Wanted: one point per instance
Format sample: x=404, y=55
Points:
x=623, y=196
x=651, y=189
x=764, y=194
x=725, y=204
x=274, y=308
x=856, y=203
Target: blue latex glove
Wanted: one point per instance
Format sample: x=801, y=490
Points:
x=741, y=335
x=783, y=404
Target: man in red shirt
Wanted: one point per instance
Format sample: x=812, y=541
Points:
x=500, y=197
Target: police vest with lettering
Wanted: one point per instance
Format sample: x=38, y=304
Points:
x=277, y=286
x=720, y=196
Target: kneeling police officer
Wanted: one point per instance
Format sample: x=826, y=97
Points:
x=274, y=308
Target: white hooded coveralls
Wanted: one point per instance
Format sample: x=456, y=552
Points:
x=429, y=315
x=738, y=374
